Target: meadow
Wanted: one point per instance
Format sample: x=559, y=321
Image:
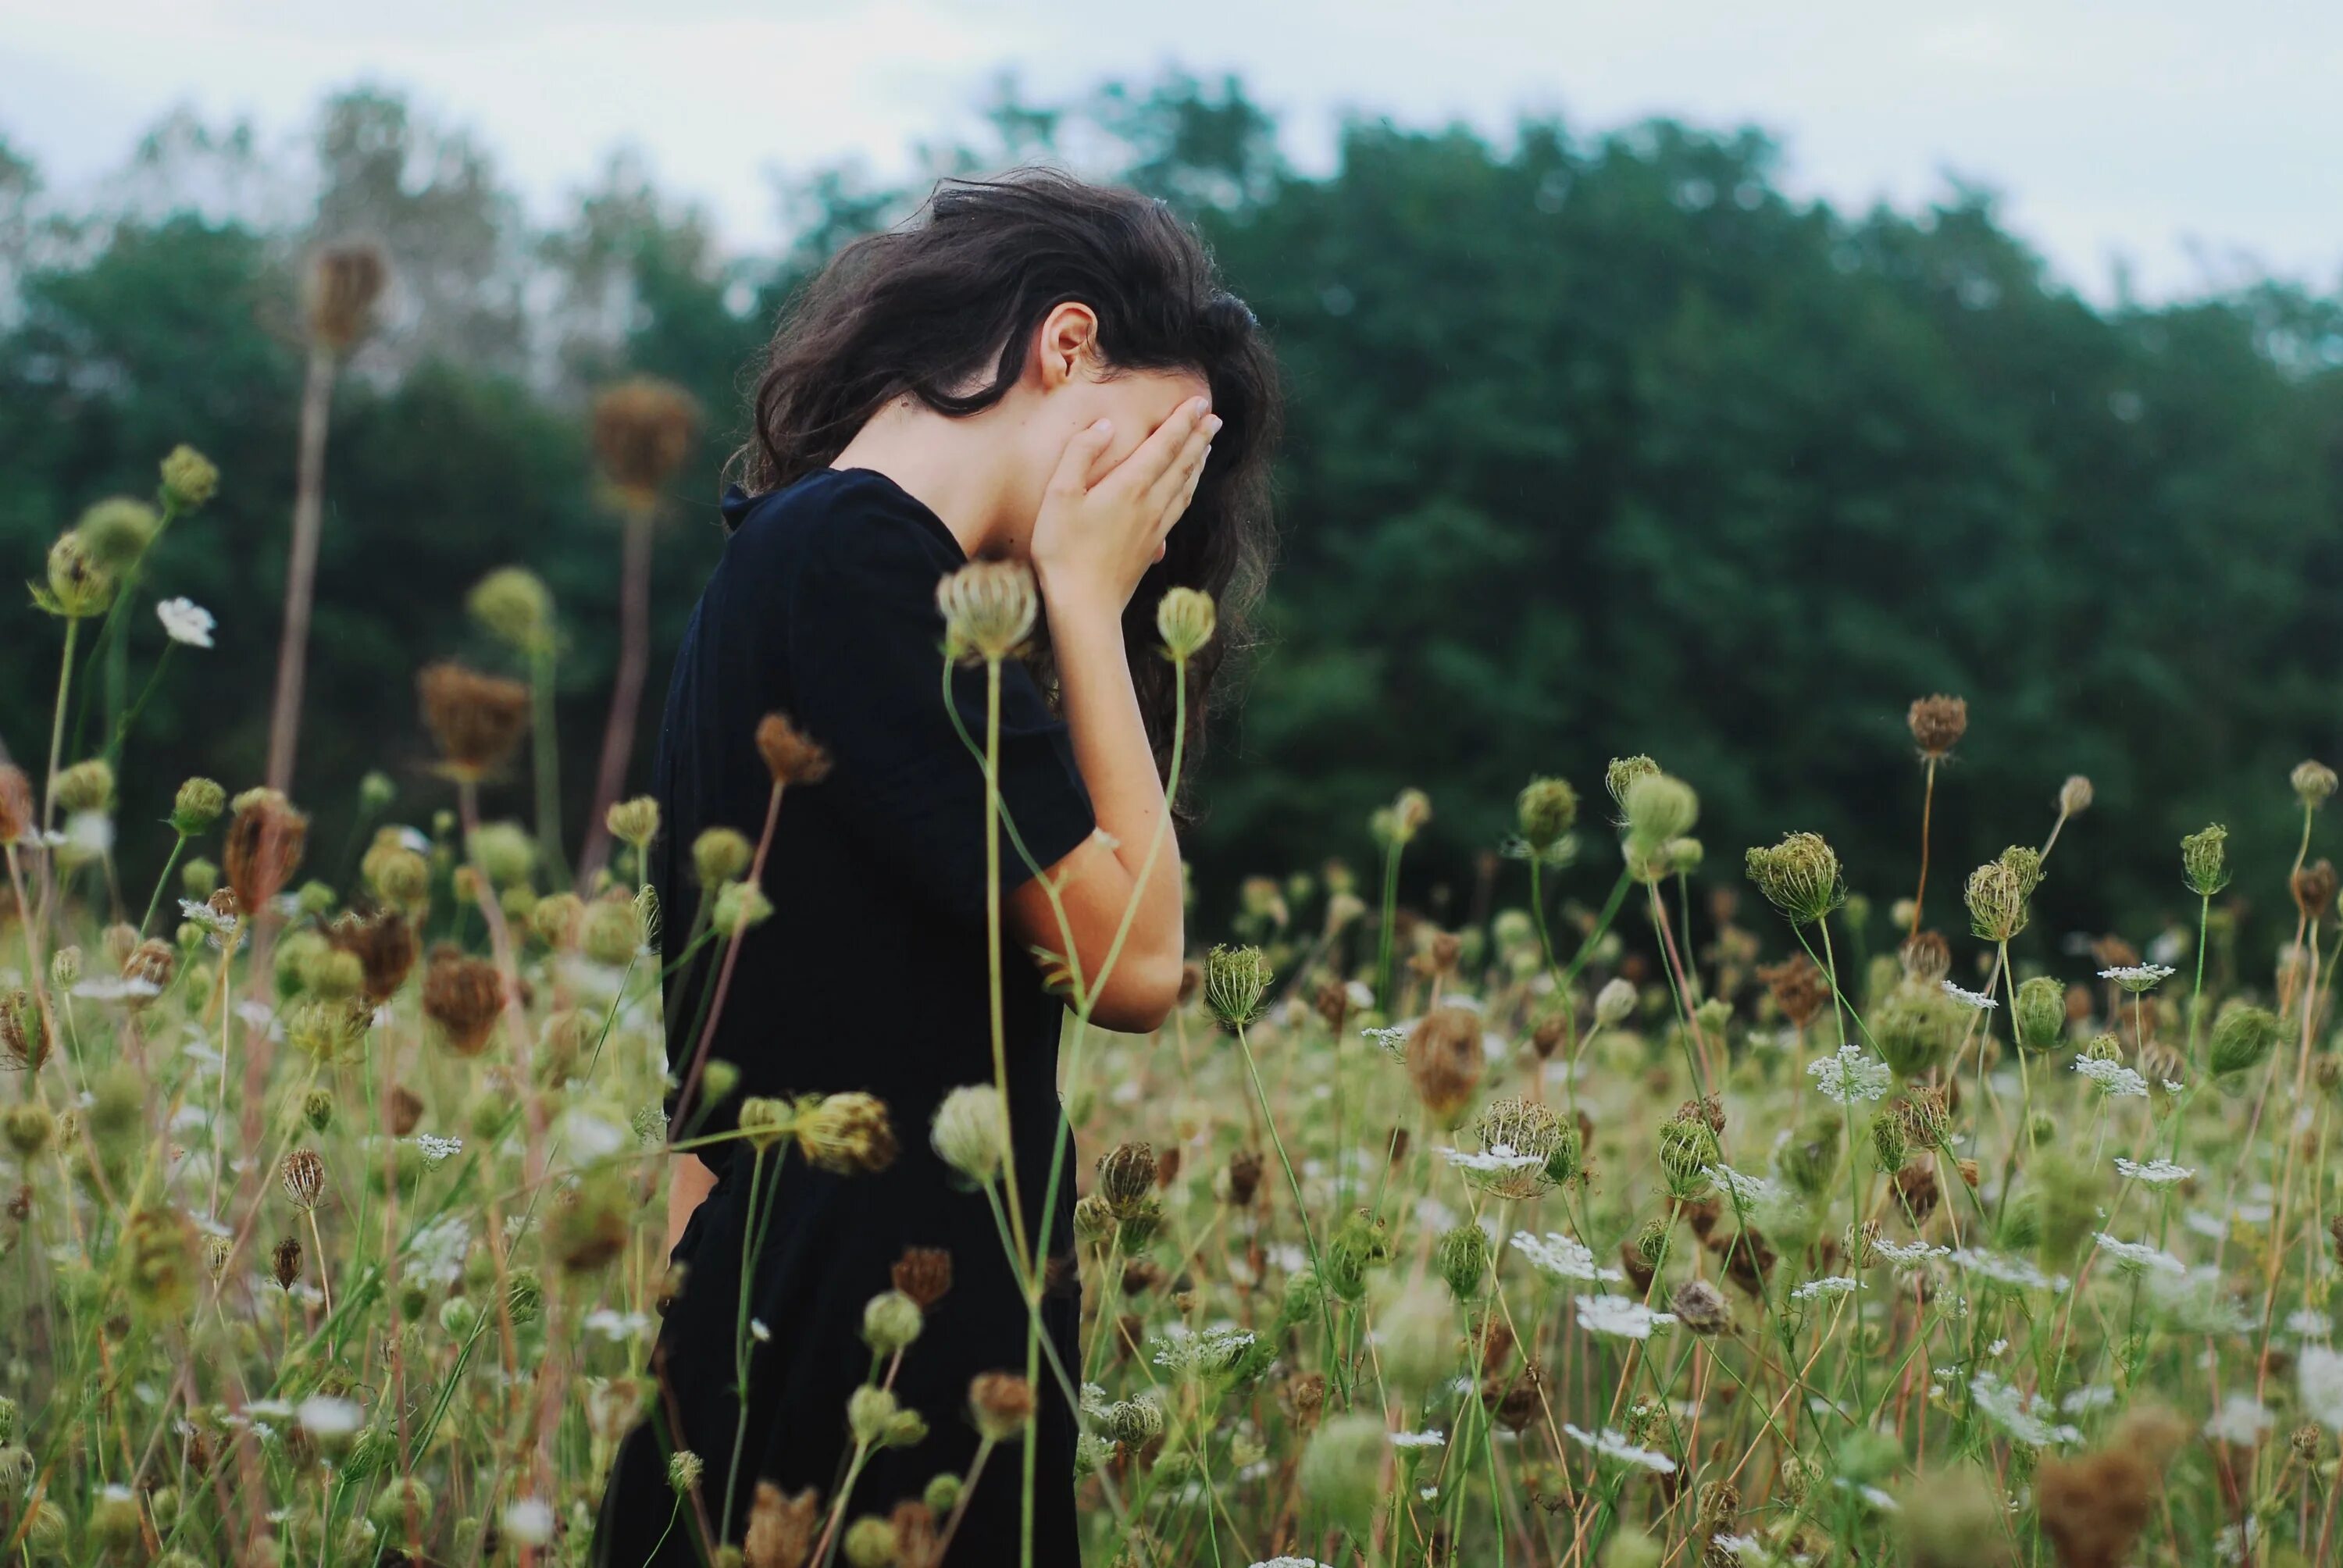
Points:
x=1690, y=1208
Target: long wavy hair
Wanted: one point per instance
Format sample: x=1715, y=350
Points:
x=944, y=308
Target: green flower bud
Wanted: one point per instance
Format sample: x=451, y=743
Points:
x=2204, y=860
x=1461, y=1256
x=718, y=1080
x=189, y=479
x=971, y=1132
x=2243, y=1034
x=2039, y=1016
x=765, y=1122
x=504, y=851
x=635, y=821
x=86, y=786
x=1185, y=619
x=741, y=907
x=524, y=1296
x=458, y=1317
x=1800, y=876
x=890, y=1321
x=1997, y=893
x=869, y=1543
x=869, y=1409
x=2314, y=784
x=376, y=792
x=199, y=804
x=1622, y=774
x=118, y=530
x=1659, y=808
x=1235, y=981
x=1341, y=1470
x=198, y=879
x=611, y=932
x=80, y=584
x=1912, y=1030
x=515, y=607
x=720, y=854
x=317, y=1108
x=1547, y=809
x=943, y=1494
x=1809, y=1160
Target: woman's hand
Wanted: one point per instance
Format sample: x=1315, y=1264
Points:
x=1094, y=540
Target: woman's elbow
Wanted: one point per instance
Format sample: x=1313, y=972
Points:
x=1138, y=995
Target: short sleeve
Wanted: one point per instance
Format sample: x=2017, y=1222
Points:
x=865, y=647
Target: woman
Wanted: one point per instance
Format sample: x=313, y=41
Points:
x=1041, y=370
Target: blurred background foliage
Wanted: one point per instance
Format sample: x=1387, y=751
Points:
x=1600, y=443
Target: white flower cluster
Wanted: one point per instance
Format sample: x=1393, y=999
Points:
x=1499, y=1160
x=1909, y=1252
x=2156, y=1172
x=1850, y=1076
x=1621, y=1315
x=2241, y=1421
x=1829, y=1285
x=1975, y=998
x=438, y=1150
x=2024, y=1416
x=2114, y=1077
x=2320, y=1377
x=1614, y=1444
x=2003, y=1269
x=2139, y=977
x=1744, y=1187
x=1186, y=1352
x=2136, y=1257
x=1562, y=1257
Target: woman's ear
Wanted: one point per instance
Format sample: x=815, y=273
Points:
x=1067, y=336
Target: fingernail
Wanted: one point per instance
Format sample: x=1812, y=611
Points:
x=1212, y=425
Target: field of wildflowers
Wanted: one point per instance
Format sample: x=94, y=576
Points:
x=1678, y=1212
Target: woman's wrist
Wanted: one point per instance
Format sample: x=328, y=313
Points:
x=1073, y=604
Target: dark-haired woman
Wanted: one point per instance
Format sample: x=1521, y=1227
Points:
x=1038, y=369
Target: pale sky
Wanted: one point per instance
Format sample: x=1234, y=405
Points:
x=2191, y=141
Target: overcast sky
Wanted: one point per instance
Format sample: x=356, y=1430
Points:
x=2191, y=141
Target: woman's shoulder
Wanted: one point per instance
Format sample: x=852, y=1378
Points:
x=851, y=522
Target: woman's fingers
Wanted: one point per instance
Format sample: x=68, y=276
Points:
x=1072, y=477
x=1164, y=494
x=1161, y=453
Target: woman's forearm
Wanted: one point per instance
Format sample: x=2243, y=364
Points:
x=689, y=1184
x=1118, y=768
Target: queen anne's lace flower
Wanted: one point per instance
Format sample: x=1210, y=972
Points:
x=1614, y=1444
x=2137, y=1256
x=2319, y=1371
x=1746, y=1187
x=2023, y=1416
x=1561, y=1257
x=2114, y=1077
x=1908, y=1253
x=2241, y=1421
x=1975, y=998
x=2138, y=976
x=1433, y=1439
x=2156, y=1172
x=1829, y=1285
x=1200, y=1354
x=1850, y=1076
x=2004, y=1270
x=1622, y=1315
x=184, y=620
x=1500, y=1159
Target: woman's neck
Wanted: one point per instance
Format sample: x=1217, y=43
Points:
x=964, y=470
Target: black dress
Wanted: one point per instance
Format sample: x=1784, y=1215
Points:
x=871, y=974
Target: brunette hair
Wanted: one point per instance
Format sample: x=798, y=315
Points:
x=944, y=306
